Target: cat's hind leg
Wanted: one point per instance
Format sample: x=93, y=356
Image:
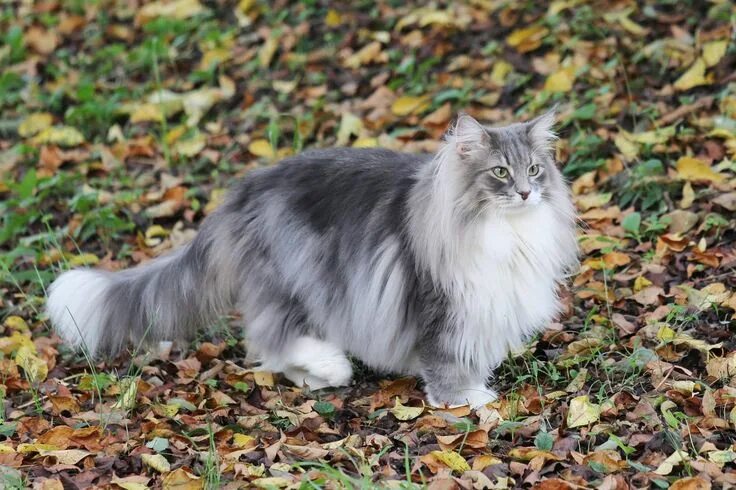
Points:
x=281, y=338
x=312, y=362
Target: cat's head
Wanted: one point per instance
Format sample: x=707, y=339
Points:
x=507, y=169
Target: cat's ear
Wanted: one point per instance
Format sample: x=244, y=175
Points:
x=541, y=129
x=469, y=136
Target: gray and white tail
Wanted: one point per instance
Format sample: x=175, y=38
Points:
x=165, y=299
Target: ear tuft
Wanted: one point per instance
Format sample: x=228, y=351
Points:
x=469, y=135
x=541, y=129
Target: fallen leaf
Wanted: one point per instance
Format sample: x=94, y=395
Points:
x=693, y=77
x=528, y=38
x=262, y=148
x=452, y=460
x=181, y=479
x=403, y=106
x=713, y=51
x=157, y=462
x=174, y=9
x=35, y=123
x=263, y=378
x=66, y=456
x=58, y=135
x=582, y=412
x=402, y=412
x=692, y=169
x=560, y=81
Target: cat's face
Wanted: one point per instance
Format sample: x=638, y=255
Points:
x=509, y=169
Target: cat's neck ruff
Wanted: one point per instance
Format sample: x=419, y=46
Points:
x=500, y=271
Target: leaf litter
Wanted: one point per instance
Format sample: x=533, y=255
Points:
x=121, y=127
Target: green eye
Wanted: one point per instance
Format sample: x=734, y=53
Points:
x=500, y=172
x=533, y=170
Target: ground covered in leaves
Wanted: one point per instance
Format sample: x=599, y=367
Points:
x=122, y=122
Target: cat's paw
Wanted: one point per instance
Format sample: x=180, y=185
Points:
x=475, y=396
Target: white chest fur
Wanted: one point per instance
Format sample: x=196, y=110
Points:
x=504, y=285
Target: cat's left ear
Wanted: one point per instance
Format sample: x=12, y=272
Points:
x=469, y=136
x=541, y=129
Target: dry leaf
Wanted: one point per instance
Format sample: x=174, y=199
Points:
x=582, y=412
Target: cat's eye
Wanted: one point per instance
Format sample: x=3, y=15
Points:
x=500, y=172
x=533, y=170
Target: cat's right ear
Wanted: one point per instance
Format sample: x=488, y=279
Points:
x=469, y=136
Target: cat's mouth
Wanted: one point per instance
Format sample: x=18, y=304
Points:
x=517, y=204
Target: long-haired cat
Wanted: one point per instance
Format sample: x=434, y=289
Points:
x=432, y=265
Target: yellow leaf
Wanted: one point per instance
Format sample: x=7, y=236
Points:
x=267, y=51
x=632, y=26
x=402, y=412
x=35, y=123
x=500, y=71
x=365, y=143
x=692, y=169
x=261, y=148
x=176, y=9
x=582, y=412
x=560, y=81
x=14, y=342
x=154, y=235
x=191, y=146
x=35, y=368
x=527, y=39
x=129, y=390
x=665, y=333
x=59, y=135
x=405, y=105
x=217, y=197
x=688, y=196
x=657, y=136
x=350, y=125
x=628, y=148
x=214, y=57
x=147, y=112
x=694, y=76
x=333, y=18
x=367, y=54
x=243, y=440
x=263, y=378
x=593, y=200
x=452, y=460
x=714, y=51
x=157, y=462
x=83, y=259
x=482, y=461
x=35, y=447
x=666, y=467
x=640, y=283
x=15, y=322
x=6, y=449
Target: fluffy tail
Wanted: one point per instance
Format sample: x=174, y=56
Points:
x=165, y=299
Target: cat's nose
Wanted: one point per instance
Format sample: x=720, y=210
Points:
x=524, y=194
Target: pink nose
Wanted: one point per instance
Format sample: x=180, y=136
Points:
x=524, y=194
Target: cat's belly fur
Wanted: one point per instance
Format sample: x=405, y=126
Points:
x=500, y=291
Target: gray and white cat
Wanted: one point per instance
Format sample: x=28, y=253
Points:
x=432, y=265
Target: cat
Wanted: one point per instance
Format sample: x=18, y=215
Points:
x=430, y=265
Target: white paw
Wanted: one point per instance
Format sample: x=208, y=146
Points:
x=317, y=364
x=476, y=397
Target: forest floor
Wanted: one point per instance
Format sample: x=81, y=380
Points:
x=122, y=125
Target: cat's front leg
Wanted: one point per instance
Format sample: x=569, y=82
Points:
x=449, y=384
